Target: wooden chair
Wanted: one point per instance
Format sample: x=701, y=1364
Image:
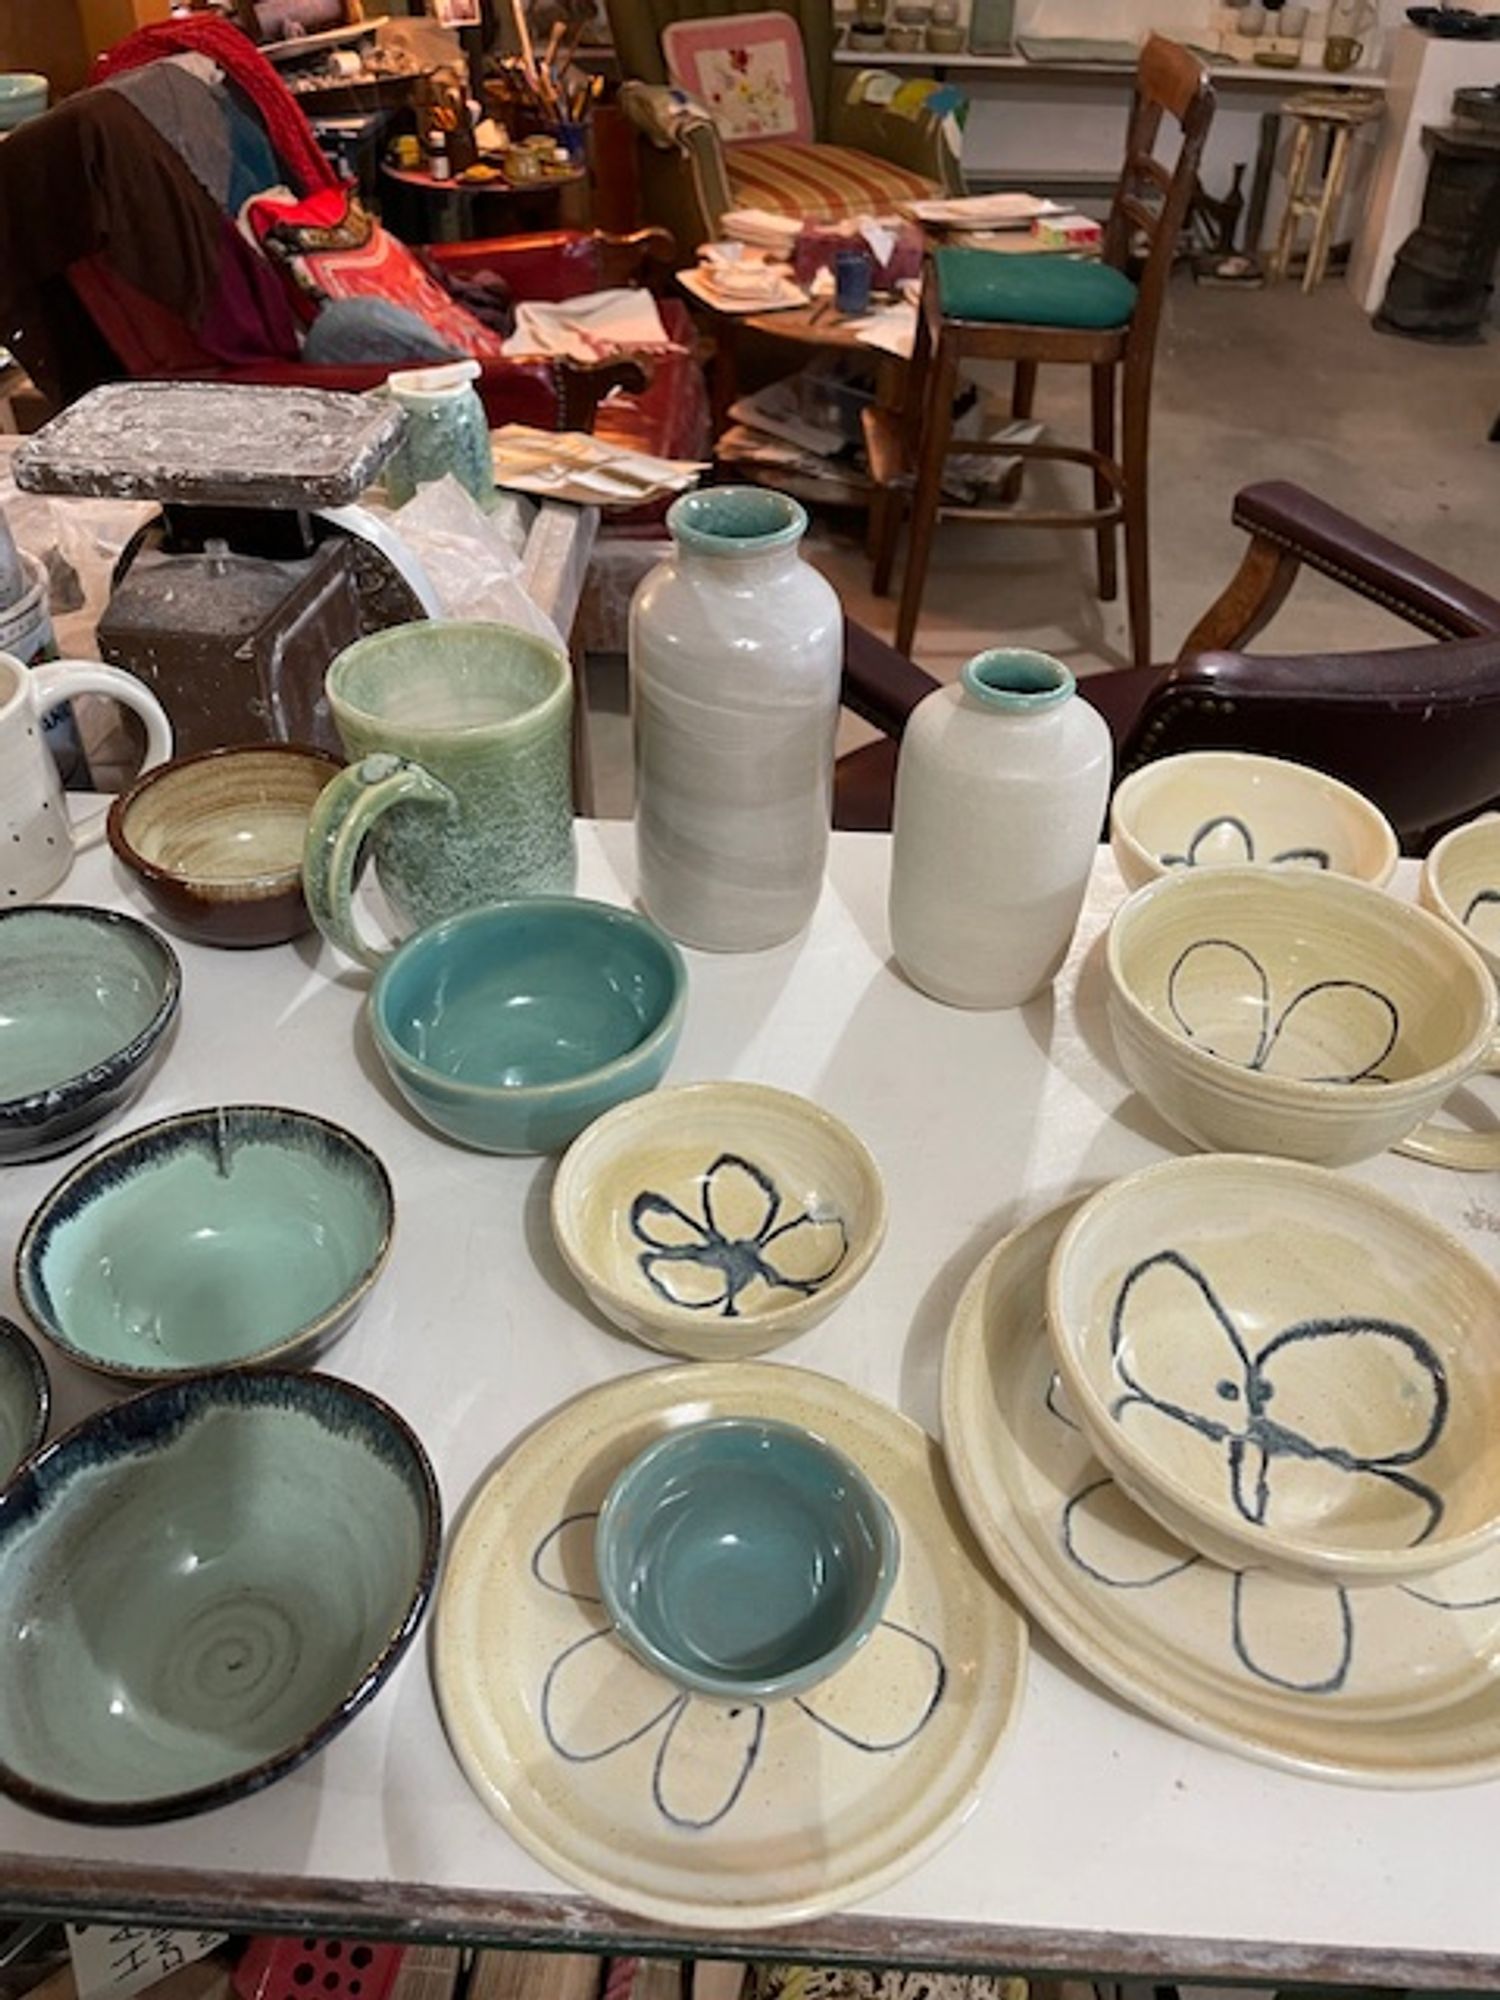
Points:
x=1415, y=728
x=978, y=305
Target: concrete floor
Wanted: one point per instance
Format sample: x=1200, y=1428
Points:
x=1250, y=385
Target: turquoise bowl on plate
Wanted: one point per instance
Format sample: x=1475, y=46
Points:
x=202, y=1585
x=745, y=1558
x=86, y=999
x=25, y=1399
x=512, y=1027
x=242, y=1233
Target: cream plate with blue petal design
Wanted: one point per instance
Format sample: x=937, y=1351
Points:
x=723, y=1815
x=1393, y=1685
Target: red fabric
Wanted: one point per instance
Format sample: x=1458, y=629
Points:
x=548, y=265
x=386, y=269
x=208, y=34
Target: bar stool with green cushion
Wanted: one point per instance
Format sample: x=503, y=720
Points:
x=979, y=305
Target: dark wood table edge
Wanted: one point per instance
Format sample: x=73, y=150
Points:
x=411, y=1913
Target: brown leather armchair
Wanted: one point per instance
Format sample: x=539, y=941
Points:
x=1415, y=728
x=689, y=176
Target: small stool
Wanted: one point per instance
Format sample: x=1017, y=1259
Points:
x=1331, y=115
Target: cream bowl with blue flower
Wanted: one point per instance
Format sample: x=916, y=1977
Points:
x=718, y=1220
x=1461, y=884
x=1284, y=1367
x=1226, y=808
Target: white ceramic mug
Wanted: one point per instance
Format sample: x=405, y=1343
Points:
x=37, y=840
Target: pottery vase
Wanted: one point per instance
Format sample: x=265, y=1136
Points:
x=1000, y=796
x=736, y=650
x=446, y=432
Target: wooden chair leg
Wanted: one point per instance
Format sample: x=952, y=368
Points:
x=909, y=390
x=1328, y=208
x=1296, y=190
x=1104, y=493
x=1023, y=389
x=927, y=498
x=885, y=530
x=1135, y=467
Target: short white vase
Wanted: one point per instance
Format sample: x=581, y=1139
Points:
x=1000, y=795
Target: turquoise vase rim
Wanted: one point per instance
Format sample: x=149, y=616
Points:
x=528, y=1094
x=91, y=1176
x=374, y=643
x=1016, y=680
x=769, y=1686
x=736, y=521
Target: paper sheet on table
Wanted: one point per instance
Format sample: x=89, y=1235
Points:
x=986, y=211
x=587, y=328
x=585, y=470
x=893, y=329
x=763, y=227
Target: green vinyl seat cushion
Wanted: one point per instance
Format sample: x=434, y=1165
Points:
x=1032, y=290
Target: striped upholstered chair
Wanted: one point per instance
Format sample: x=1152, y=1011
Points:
x=740, y=105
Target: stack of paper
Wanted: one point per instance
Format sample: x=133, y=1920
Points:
x=984, y=211
x=589, y=471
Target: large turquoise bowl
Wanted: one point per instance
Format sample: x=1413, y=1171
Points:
x=201, y=1586
x=745, y=1558
x=241, y=1233
x=512, y=1027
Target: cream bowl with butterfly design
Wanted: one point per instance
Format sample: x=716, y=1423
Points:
x=1286, y=1368
x=1461, y=884
x=1226, y=808
x=718, y=1220
x=1262, y=1010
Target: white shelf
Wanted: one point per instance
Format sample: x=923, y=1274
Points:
x=1253, y=74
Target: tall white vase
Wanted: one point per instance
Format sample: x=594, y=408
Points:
x=1000, y=796
x=736, y=652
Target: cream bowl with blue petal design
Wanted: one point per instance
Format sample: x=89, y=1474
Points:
x=1461, y=884
x=1260, y=1010
x=718, y=1220
x=1284, y=1367
x=1226, y=808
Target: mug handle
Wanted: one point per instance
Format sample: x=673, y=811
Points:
x=346, y=810
x=1469, y=1152
x=59, y=680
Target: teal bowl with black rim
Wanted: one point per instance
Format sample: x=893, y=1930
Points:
x=235, y=1235
x=201, y=1586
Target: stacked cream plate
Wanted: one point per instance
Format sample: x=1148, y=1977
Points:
x=1227, y=1427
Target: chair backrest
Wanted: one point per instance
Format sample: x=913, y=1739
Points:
x=637, y=27
x=1152, y=198
x=1416, y=729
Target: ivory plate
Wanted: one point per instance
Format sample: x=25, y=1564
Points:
x=679, y=1808
x=1393, y=1685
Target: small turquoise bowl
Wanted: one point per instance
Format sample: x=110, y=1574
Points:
x=25, y=1399
x=86, y=999
x=202, y=1585
x=239, y=1234
x=745, y=1559
x=511, y=1027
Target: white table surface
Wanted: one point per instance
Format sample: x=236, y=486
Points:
x=1104, y=1840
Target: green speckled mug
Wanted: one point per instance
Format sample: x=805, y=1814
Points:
x=461, y=776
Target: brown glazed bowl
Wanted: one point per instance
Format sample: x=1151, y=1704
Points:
x=216, y=840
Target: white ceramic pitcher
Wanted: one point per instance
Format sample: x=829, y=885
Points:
x=37, y=841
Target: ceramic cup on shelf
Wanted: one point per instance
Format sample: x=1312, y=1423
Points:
x=37, y=842
x=462, y=781
x=1000, y=794
x=1341, y=52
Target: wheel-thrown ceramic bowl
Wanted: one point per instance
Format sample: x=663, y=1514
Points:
x=238, y=1234
x=1219, y=808
x=201, y=1586
x=745, y=1558
x=1262, y=1010
x=1286, y=1368
x=511, y=1026
x=718, y=1220
x=86, y=999
x=216, y=840
x=25, y=1399
x=1461, y=884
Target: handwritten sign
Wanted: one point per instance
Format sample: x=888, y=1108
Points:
x=120, y=1959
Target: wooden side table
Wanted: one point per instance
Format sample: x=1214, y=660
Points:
x=454, y=211
x=1316, y=118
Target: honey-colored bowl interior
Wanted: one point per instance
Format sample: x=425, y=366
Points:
x=237, y=820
